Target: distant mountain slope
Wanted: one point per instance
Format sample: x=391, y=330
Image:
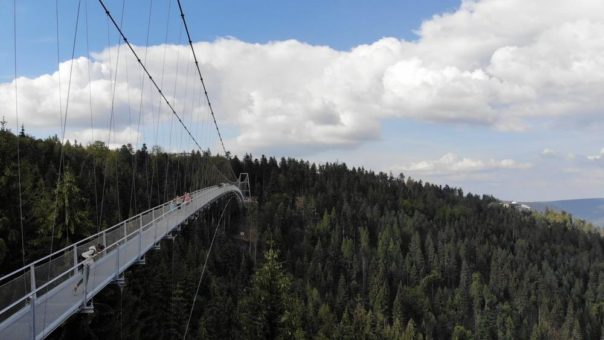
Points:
x=589, y=209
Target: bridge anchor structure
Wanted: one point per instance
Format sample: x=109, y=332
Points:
x=38, y=298
x=244, y=185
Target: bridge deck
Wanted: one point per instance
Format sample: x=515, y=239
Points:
x=38, y=298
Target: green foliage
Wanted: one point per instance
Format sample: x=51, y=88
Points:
x=348, y=253
x=460, y=333
x=267, y=310
x=70, y=215
x=69, y=192
x=392, y=256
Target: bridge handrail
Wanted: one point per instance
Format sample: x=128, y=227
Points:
x=71, y=269
x=29, y=293
x=82, y=241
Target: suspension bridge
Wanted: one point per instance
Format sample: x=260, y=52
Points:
x=49, y=296
x=40, y=296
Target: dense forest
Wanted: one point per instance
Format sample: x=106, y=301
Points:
x=66, y=192
x=340, y=253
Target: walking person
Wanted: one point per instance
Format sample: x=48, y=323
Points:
x=87, y=259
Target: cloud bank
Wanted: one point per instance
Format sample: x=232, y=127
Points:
x=597, y=157
x=452, y=163
x=503, y=64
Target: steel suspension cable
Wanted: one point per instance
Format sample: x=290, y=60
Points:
x=18, y=136
x=59, y=63
x=114, y=76
x=140, y=112
x=140, y=107
x=172, y=278
x=131, y=211
x=180, y=145
x=96, y=198
x=111, y=118
x=205, y=91
x=64, y=118
x=180, y=186
x=203, y=270
x=159, y=90
x=167, y=171
x=195, y=102
x=159, y=109
x=132, y=205
x=182, y=16
x=63, y=129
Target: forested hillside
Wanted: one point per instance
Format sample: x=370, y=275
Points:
x=98, y=188
x=341, y=253
x=373, y=256
x=590, y=209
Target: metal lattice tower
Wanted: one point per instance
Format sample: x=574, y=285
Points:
x=244, y=185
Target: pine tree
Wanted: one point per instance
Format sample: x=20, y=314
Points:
x=397, y=306
x=460, y=333
x=410, y=332
x=267, y=308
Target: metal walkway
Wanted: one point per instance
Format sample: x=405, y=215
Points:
x=36, y=299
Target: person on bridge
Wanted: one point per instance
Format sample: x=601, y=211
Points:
x=87, y=258
x=178, y=201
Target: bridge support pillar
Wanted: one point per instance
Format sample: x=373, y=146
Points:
x=141, y=260
x=120, y=281
x=88, y=308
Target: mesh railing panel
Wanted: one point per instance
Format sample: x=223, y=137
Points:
x=158, y=212
x=48, y=271
x=58, y=268
x=12, y=291
x=147, y=217
x=113, y=236
x=132, y=225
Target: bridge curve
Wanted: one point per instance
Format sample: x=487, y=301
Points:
x=36, y=299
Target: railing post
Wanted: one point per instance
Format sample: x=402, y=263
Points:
x=75, y=259
x=140, y=236
x=104, y=241
x=32, y=299
x=119, y=244
x=154, y=227
x=85, y=276
x=117, y=262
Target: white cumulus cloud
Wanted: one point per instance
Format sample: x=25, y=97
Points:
x=597, y=157
x=118, y=138
x=504, y=64
x=452, y=163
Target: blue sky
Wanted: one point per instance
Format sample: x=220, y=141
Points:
x=475, y=94
x=339, y=24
